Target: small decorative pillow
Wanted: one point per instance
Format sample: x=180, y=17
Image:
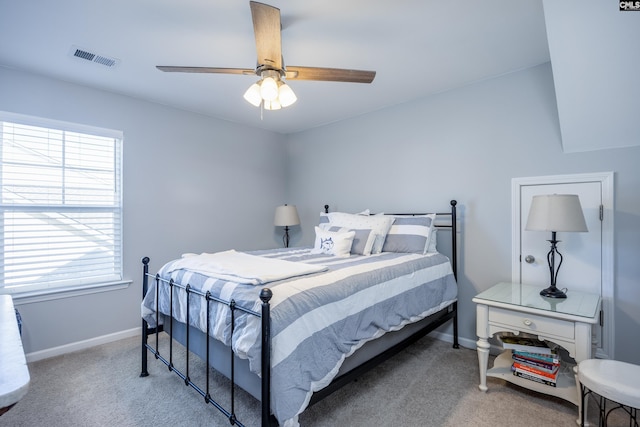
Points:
x=362, y=243
x=410, y=234
x=333, y=243
x=379, y=225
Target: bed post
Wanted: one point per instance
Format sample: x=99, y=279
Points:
x=265, y=296
x=454, y=264
x=145, y=332
x=454, y=239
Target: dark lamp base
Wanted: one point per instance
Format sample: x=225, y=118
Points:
x=553, y=292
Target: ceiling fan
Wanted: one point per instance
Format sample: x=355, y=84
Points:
x=270, y=91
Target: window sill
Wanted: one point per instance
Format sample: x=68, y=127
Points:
x=53, y=294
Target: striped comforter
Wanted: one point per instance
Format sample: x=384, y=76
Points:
x=317, y=320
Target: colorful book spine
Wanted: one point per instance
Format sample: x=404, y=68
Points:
x=535, y=379
x=547, y=358
x=536, y=372
x=547, y=367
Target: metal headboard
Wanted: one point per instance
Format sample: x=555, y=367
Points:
x=451, y=224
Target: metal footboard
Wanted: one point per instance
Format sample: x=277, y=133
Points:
x=265, y=297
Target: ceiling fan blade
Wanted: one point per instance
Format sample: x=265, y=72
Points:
x=329, y=74
x=173, y=69
x=266, y=26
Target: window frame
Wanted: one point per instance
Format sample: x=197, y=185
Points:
x=34, y=293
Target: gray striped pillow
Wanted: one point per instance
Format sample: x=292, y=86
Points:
x=409, y=234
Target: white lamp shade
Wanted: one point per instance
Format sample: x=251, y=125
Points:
x=269, y=89
x=286, y=215
x=556, y=212
x=286, y=95
x=252, y=95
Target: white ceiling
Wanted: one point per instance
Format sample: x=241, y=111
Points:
x=417, y=47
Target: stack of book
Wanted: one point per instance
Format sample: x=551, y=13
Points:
x=533, y=359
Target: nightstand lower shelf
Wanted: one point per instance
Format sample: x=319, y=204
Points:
x=565, y=387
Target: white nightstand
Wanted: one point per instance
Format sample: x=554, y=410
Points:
x=516, y=308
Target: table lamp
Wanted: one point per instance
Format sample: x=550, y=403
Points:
x=286, y=216
x=555, y=212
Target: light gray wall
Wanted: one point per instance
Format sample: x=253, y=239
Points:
x=191, y=184
x=467, y=144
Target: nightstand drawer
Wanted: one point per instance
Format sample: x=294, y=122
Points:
x=532, y=323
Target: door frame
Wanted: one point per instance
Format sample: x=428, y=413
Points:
x=607, y=273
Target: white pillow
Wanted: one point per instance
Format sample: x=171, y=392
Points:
x=379, y=224
x=333, y=243
x=324, y=217
x=433, y=241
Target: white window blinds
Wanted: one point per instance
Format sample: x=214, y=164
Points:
x=60, y=223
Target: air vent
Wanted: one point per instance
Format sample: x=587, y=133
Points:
x=96, y=58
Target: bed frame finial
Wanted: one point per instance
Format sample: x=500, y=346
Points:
x=266, y=294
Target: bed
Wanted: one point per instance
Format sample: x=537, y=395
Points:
x=291, y=325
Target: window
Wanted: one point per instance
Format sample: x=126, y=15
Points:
x=60, y=207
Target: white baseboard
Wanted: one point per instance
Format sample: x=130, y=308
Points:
x=463, y=342
x=81, y=345
x=494, y=350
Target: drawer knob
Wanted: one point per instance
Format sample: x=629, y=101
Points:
x=527, y=322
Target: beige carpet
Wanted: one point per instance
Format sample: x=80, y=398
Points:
x=429, y=384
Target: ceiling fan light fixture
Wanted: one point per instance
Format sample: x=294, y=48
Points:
x=252, y=95
x=270, y=92
x=286, y=95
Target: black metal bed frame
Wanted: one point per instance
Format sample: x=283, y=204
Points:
x=446, y=314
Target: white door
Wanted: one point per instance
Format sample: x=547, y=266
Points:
x=584, y=260
x=581, y=252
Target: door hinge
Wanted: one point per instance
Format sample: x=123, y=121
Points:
x=601, y=317
x=601, y=213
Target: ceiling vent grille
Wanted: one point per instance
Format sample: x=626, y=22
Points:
x=87, y=55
